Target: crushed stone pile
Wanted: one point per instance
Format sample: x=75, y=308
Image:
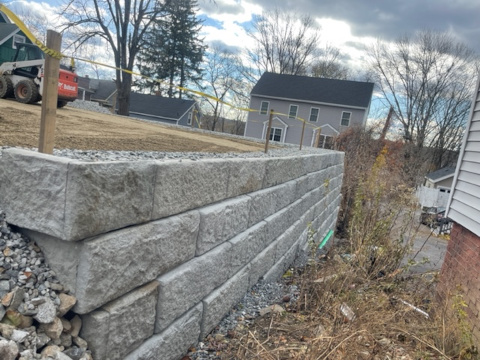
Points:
x=36, y=321
x=89, y=105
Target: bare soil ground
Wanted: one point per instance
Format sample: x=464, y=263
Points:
x=87, y=130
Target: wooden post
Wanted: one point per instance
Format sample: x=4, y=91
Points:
x=49, y=95
x=303, y=132
x=387, y=124
x=269, y=129
x=317, y=137
x=193, y=117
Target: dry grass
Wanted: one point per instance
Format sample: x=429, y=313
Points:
x=394, y=315
x=384, y=327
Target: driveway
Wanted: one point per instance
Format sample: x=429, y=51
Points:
x=427, y=246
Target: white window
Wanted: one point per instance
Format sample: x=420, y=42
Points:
x=314, y=114
x=325, y=142
x=292, y=113
x=264, y=108
x=346, y=118
x=189, y=119
x=17, y=39
x=276, y=134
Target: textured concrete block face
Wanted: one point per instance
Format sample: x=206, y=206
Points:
x=182, y=186
x=236, y=217
x=108, y=268
x=245, y=176
x=95, y=328
x=281, y=266
x=262, y=205
x=329, y=160
x=131, y=320
x=280, y=170
x=221, y=222
x=285, y=242
x=174, y=342
x=246, y=246
x=301, y=187
x=61, y=256
x=33, y=189
x=295, y=210
x=313, y=163
x=107, y=196
x=218, y=303
x=262, y=263
x=268, y=201
x=278, y=223
x=285, y=195
x=188, y=284
x=297, y=229
x=316, y=180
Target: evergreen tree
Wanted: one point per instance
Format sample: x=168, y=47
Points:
x=174, y=50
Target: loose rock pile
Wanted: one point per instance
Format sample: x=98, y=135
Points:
x=89, y=105
x=35, y=317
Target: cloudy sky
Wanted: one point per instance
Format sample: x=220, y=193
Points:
x=349, y=24
x=345, y=23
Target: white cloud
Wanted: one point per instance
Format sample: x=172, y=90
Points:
x=228, y=15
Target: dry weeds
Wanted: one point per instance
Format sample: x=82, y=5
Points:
x=397, y=316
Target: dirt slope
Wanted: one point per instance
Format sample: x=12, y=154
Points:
x=81, y=129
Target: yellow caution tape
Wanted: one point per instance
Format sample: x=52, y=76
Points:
x=28, y=34
x=59, y=55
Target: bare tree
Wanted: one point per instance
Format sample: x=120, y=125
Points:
x=328, y=65
x=90, y=51
x=122, y=24
x=221, y=78
x=285, y=43
x=428, y=80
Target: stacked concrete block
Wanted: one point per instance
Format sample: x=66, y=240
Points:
x=185, y=286
x=245, y=246
x=173, y=342
x=123, y=324
x=165, y=249
x=221, y=222
x=221, y=300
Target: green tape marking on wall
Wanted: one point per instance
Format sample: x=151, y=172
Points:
x=325, y=239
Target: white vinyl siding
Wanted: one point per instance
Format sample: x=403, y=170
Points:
x=345, y=121
x=314, y=114
x=264, y=107
x=464, y=207
x=292, y=112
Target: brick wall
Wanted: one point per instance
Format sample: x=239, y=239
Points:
x=461, y=272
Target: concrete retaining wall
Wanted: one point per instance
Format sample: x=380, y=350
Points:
x=157, y=252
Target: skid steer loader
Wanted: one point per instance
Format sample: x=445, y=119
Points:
x=23, y=78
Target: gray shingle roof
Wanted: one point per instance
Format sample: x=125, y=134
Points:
x=159, y=106
x=320, y=90
x=6, y=30
x=140, y=103
x=4, y=18
x=441, y=173
x=103, y=88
